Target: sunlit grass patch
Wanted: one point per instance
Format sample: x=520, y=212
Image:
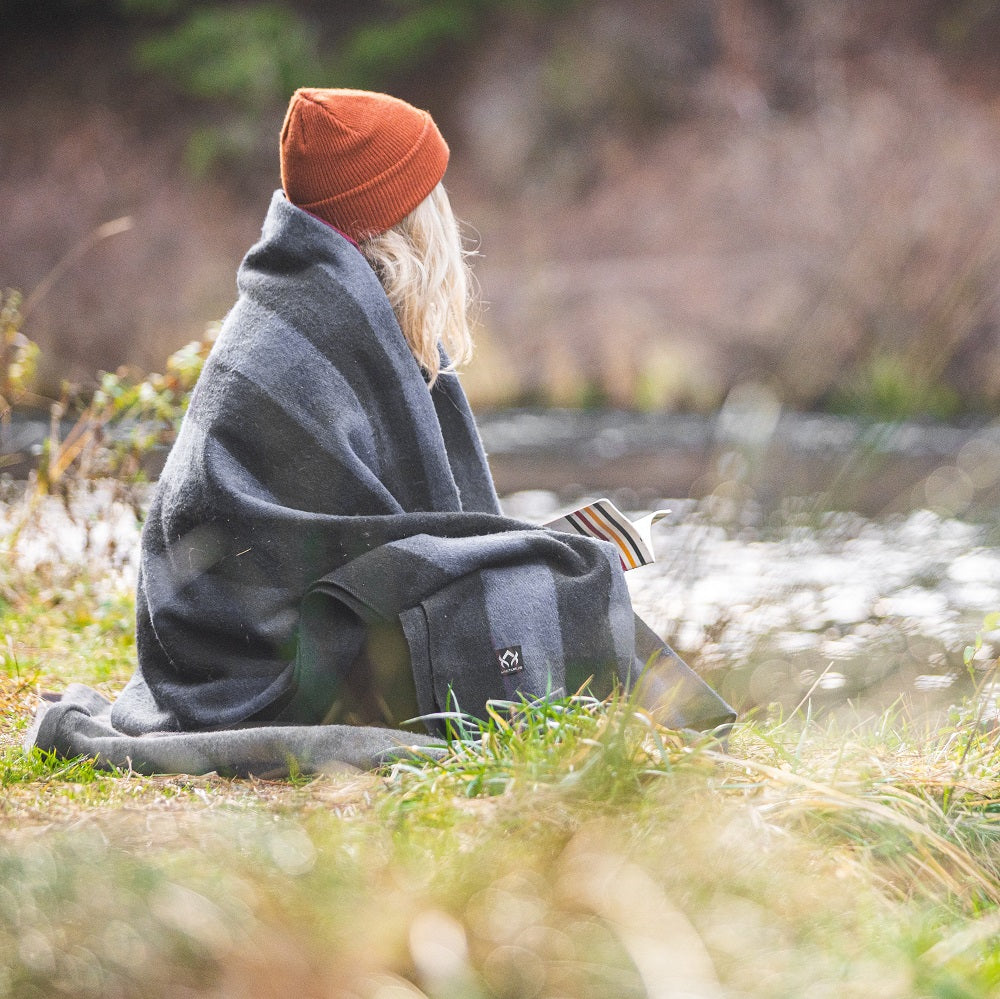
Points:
x=708, y=877
x=914, y=805
x=79, y=629
x=67, y=580
x=18, y=767
x=565, y=847
x=578, y=745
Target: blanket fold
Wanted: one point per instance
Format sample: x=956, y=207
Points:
x=317, y=490
x=79, y=724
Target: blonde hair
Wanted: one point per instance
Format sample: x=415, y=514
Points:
x=423, y=267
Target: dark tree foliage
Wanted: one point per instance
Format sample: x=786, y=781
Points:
x=357, y=44
x=244, y=59
x=239, y=61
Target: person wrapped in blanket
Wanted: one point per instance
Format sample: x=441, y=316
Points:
x=325, y=555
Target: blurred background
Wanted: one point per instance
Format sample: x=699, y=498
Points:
x=739, y=258
x=672, y=199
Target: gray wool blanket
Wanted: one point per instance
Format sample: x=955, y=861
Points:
x=320, y=513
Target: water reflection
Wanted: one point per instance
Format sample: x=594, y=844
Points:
x=836, y=609
x=751, y=452
x=988, y=704
x=934, y=681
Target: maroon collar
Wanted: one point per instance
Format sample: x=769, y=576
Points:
x=353, y=242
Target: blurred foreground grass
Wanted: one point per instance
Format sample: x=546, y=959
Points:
x=577, y=851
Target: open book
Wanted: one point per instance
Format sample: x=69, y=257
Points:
x=602, y=519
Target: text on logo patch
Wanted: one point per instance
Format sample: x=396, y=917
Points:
x=510, y=659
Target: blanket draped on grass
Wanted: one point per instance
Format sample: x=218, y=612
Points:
x=318, y=495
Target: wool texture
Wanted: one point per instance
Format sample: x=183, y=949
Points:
x=359, y=160
x=316, y=493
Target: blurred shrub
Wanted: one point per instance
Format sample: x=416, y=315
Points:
x=128, y=416
x=250, y=58
x=246, y=55
x=889, y=387
x=123, y=420
x=18, y=354
x=688, y=193
x=409, y=34
x=242, y=61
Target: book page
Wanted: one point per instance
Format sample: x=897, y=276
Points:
x=602, y=519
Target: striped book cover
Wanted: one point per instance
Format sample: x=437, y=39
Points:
x=602, y=519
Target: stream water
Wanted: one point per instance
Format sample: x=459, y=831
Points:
x=803, y=556
x=809, y=556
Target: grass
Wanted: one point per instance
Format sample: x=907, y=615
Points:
x=570, y=848
x=609, y=858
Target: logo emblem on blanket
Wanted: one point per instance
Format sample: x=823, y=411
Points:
x=510, y=659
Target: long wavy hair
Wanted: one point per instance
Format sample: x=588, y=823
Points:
x=424, y=269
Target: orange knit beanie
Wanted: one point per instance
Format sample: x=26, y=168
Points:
x=361, y=161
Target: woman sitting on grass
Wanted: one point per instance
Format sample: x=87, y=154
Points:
x=325, y=543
